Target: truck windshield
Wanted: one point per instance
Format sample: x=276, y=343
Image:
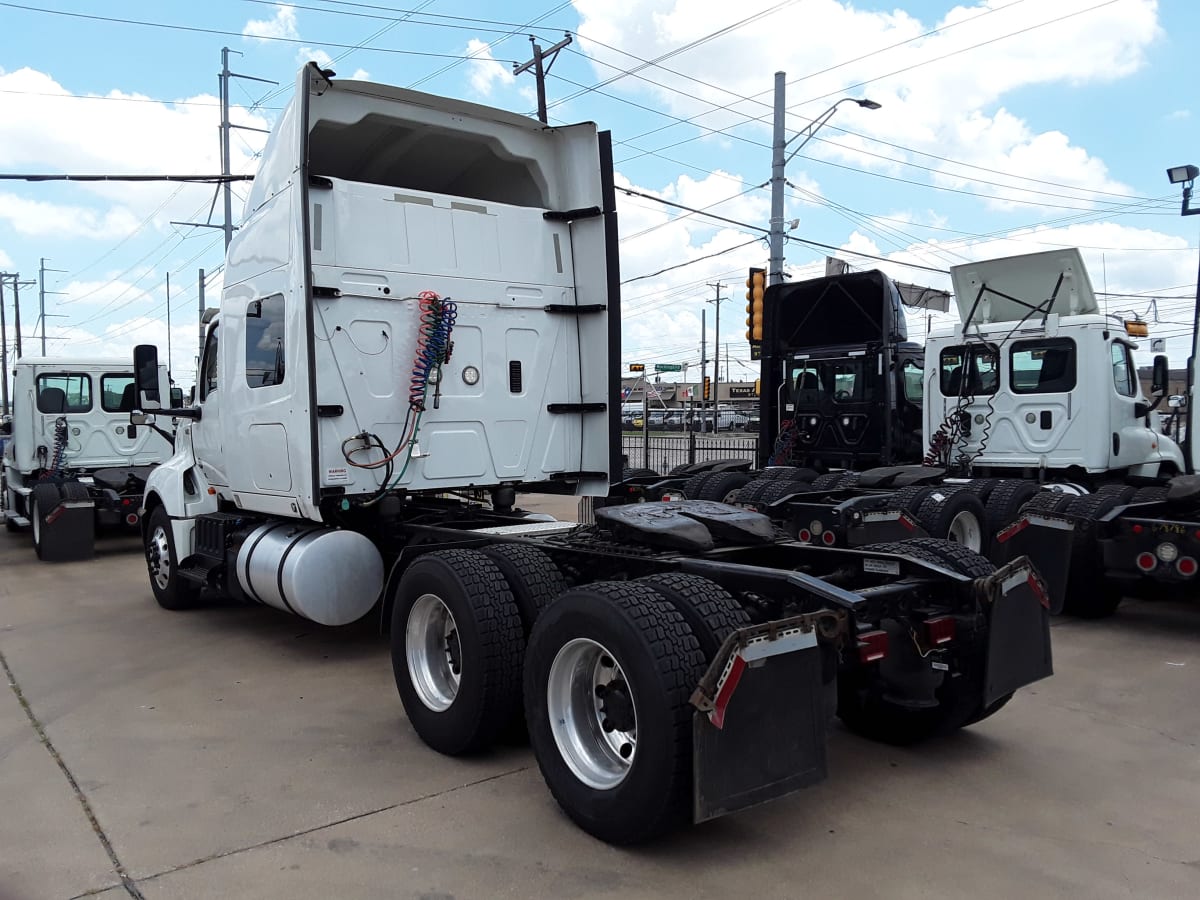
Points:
x=979, y=363
x=844, y=380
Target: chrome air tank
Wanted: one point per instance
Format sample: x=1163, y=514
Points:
x=327, y=575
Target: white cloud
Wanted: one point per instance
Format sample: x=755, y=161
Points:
x=940, y=92
x=282, y=25
x=306, y=55
x=361, y=75
x=1179, y=114
x=37, y=219
x=485, y=71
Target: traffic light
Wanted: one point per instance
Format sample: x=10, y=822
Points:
x=637, y=367
x=756, y=289
x=707, y=388
x=757, y=387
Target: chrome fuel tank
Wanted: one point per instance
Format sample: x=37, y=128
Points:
x=329, y=576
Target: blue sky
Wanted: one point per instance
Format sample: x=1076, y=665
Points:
x=1006, y=126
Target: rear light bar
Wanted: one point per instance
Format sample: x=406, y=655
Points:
x=872, y=646
x=939, y=630
x=1146, y=561
x=1186, y=566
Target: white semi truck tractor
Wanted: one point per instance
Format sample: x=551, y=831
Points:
x=421, y=319
x=73, y=463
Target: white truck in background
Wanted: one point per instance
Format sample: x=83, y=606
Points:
x=420, y=318
x=72, y=460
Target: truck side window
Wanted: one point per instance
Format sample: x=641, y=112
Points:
x=264, y=342
x=967, y=370
x=117, y=393
x=70, y=392
x=914, y=382
x=1122, y=370
x=1042, y=367
x=208, y=381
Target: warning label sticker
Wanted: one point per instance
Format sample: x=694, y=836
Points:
x=337, y=475
x=881, y=566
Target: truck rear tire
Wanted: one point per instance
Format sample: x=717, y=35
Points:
x=532, y=576
x=1005, y=501
x=1089, y=594
x=42, y=502
x=958, y=516
x=709, y=609
x=170, y=590
x=608, y=675
x=722, y=486
x=457, y=648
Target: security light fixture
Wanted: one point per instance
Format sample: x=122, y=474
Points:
x=868, y=104
x=1182, y=174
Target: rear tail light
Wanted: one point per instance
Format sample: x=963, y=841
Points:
x=872, y=646
x=671, y=496
x=828, y=538
x=939, y=630
x=1186, y=566
x=804, y=536
x=1167, y=552
x=1137, y=529
x=131, y=519
x=1146, y=561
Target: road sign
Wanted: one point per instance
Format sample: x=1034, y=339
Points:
x=668, y=367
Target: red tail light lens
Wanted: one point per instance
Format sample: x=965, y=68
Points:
x=1146, y=561
x=804, y=536
x=872, y=646
x=828, y=538
x=939, y=630
x=1137, y=529
x=1186, y=566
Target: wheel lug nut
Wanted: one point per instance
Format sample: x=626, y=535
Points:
x=626, y=751
x=608, y=725
x=601, y=690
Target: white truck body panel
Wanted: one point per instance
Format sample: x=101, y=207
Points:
x=367, y=196
x=94, y=403
x=1025, y=412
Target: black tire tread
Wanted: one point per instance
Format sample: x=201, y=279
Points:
x=679, y=662
x=721, y=485
x=955, y=556
x=709, y=609
x=1005, y=501
x=532, y=576
x=501, y=634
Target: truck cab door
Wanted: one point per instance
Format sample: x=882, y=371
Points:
x=1131, y=442
x=208, y=442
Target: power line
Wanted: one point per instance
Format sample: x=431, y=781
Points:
x=691, y=261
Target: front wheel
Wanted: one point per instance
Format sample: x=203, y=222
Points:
x=608, y=674
x=162, y=561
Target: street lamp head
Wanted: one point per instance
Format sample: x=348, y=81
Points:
x=868, y=104
x=1182, y=174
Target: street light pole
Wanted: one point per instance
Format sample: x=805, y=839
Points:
x=716, y=392
x=779, y=160
x=1186, y=176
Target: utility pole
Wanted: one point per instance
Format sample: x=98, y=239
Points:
x=14, y=279
x=168, y=329
x=42, y=270
x=716, y=393
x=3, y=354
x=200, y=320
x=703, y=356
x=778, y=144
x=226, y=127
x=539, y=72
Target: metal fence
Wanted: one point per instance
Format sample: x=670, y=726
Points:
x=663, y=452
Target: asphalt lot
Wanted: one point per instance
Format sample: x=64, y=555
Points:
x=238, y=752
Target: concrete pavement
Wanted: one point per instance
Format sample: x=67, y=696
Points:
x=238, y=752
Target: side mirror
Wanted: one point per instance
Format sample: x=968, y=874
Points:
x=1175, y=401
x=145, y=375
x=176, y=397
x=1161, y=374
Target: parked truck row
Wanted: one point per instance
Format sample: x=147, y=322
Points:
x=1029, y=410
x=420, y=319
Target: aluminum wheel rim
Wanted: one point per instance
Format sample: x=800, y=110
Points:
x=965, y=529
x=434, y=652
x=159, y=557
x=596, y=739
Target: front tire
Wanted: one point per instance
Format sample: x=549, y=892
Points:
x=608, y=675
x=162, y=561
x=457, y=648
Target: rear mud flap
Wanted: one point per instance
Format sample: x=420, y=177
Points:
x=1046, y=542
x=1019, y=630
x=759, y=729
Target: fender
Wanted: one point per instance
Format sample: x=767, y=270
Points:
x=168, y=486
